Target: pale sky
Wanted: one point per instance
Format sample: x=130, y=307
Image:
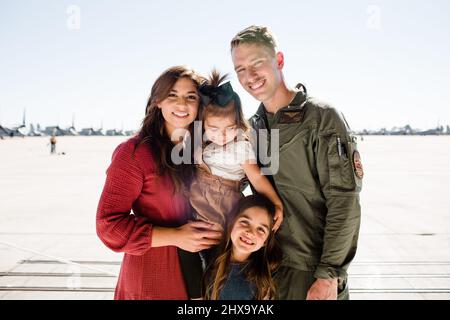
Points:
x=382, y=63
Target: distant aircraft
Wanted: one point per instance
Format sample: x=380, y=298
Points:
x=92, y=132
x=4, y=132
x=72, y=131
x=58, y=131
x=407, y=130
x=54, y=130
x=19, y=131
x=115, y=132
x=402, y=131
x=35, y=132
x=87, y=132
x=99, y=132
x=437, y=131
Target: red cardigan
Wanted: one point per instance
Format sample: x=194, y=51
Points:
x=132, y=184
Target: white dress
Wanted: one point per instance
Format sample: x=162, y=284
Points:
x=225, y=161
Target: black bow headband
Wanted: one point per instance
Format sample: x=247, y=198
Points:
x=221, y=95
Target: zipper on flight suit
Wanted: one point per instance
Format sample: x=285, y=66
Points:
x=339, y=146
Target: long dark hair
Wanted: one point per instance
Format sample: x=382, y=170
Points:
x=153, y=133
x=260, y=265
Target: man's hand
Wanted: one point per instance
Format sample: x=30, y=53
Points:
x=323, y=289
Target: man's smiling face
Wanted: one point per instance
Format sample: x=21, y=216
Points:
x=258, y=69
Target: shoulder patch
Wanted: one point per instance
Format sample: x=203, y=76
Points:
x=357, y=164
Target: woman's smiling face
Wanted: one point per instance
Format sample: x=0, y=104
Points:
x=180, y=108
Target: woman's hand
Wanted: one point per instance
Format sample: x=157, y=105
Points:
x=278, y=217
x=196, y=236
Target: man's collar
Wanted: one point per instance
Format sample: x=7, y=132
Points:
x=296, y=103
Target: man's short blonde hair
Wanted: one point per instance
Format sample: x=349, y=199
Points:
x=256, y=35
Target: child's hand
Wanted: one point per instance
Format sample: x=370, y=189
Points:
x=198, y=156
x=278, y=217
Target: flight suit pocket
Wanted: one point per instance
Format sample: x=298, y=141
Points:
x=340, y=164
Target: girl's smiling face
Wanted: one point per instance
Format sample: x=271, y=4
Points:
x=249, y=232
x=220, y=130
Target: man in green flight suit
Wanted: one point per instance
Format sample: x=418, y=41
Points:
x=318, y=173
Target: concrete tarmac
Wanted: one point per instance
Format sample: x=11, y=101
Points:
x=49, y=248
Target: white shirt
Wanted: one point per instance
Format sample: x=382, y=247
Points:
x=225, y=161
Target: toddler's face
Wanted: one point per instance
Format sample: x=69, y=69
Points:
x=250, y=232
x=220, y=130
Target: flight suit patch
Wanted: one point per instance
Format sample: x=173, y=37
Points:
x=357, y=164
x=291, y=116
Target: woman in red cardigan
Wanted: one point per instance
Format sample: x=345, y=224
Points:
x=143, y=179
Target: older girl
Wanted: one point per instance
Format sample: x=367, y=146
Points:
x=248, y=254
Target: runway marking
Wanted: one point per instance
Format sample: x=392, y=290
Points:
x=46, y=234
x=54, y=274
x=54, y=258
x=106, y=274
x=106, y=289
x=401, y=290
x=392, y=275
x=97, y=262
x=101, y=275
x=356, y=263
x=57, y=289
x=399, y=234
x=405, y=263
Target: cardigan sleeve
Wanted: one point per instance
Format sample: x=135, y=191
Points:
x=117, y=227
